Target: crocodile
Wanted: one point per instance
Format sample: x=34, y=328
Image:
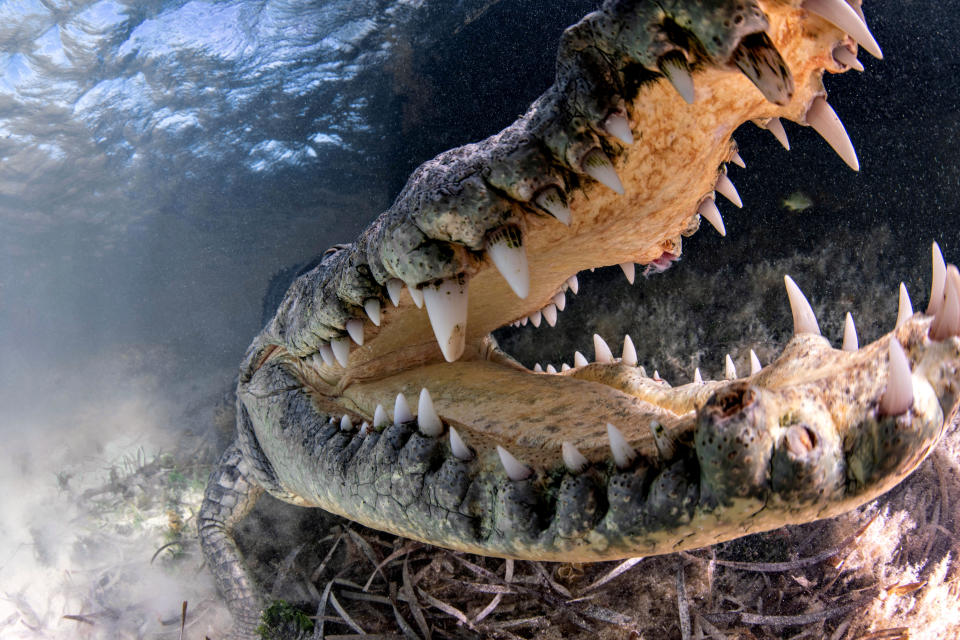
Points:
x=617, y=162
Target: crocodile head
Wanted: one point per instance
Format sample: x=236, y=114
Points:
x=616, y=163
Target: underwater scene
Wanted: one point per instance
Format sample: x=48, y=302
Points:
x=501, y=319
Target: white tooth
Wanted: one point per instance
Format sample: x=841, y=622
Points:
x=846, y=57
x=619, y=127
x=629, y=356
x=697, y=378
x=729, y=370
x=327, y=354
x=656, y=376
x=737, y=160
x=755, y=365
x=725, y=188
x=538, y=368
x=372, y=307
x=846, y=19
x=898, y=396
x=355, y=330
x=905, y=308
x=574, y=284
x=642, y=372
x=597, y=165
x=708, y=209
x=947, y=321
x=560, y=300
x=346, y=424
x=550, y=314
x=677, y=71
x=341, y=350
x=505, y=248
x=629, y=270
x=804, y=320
x=850, y=341
x=551, y=368
x=623, y=453
x=824, y=120
x=572, y=458
x=401, y=410
x=364, y=428
x=446, y=304
x=394, y=287
x=535, y=318
x=380, y=418
x=515, y=469
x=524, y=321
x=601, y=351
x=665, y=443
x=564, y=367
x=427, y=418
x=552, y=201
x=579, y=360
x=939, y=279
x=775, y=127
x=316, y=360
x=458, y=447
x=416, y=295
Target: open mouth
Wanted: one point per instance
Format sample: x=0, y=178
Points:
x=378, y=393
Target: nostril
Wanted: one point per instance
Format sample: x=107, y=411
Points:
x=734, y=399
x=801, y=439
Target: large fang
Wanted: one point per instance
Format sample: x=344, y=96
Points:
x=804, y=320
x=341, y=350
x=572, y=458
x=623, y=453
x=597, y=165
x=708, y=209
x=850, y=341
x=725, y=188
x=372, y=307
x=947, y=321
x=458, y=447
x=629, y=270
x=822, y=117
x=674, y=66
x=939, y=279
x=427, y=418
x=755, y=365
x=505, y=248
x=394, y=287
x=905, y=308
x=401, y=410
x=760, y=61
x=619, y=127
x=355, y=330
x=515, y=469
x=899, y=393
x=326, y=353
x=846, y=19
x=629, y=356
x=602, y=353
x=552, y=201
x=446, y=303
x=729, y=369
x=775, y=126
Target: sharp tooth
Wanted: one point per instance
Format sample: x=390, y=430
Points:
x=355, y=330
x=619, y=127
x=656, y=376
x=846, y=19
x=850, y=341
x=629, y=270
x=847, y=58
x=364, y=428
x=524, y=321
x=905, y=308
x=446, y=304
x=758, y=59
x=564, y=367
x=755, y=365
x=401, y=410
x=316, y=360
x=737, y=160
x=380, y=418
x=574, y=284
x=947, y=321
x=416, y=295
x=458, y=447
x=537, y=368
x=601, y=351
x=579, y=360
x=824, y=120
x=939, y=278
x=515, y=469
x=697, y=378
x=665, y=443
x=804, y=321
x=372, y=307
x=505, y=248
x=674, y=66
x=708, y=209
x=327, y=354
x=560, y=300
x=427, y=418
x=346, y=424
x=341, y=350
x=551, y=368
x=394, y=287
x=535, y=318
x=898, y=396
x=629, y=356
x=725, y=188
x=597, y=165
x=550, y=314
x=775, y=127
x=623, y=453
x=553, y=202
x=642, y=371
x=729, y=370
x=572, y=458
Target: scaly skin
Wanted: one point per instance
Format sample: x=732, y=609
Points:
x=808, y=437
